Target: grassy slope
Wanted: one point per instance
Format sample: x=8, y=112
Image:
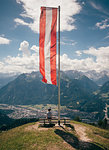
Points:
x=52, y=139
x=21, y=139
x=98, y=136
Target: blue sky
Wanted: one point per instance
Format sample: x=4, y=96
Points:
x=84, y=34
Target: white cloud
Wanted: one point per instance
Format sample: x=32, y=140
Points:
x=106, y=37
x=24, y=63
x=20, y=64
x=83, y=3
x=65, y=41
x=101, y=52
x=20, y=22
x=76, y=64
x=1, y=65
x=4, y=40
x=102, y=57
x=96, y=6
x=95, y=59
x=35, y=48
x=78, y=53
x=24, y=47
x=73, y=43
x=31, y=8
x=98, y=60
x=103, y=24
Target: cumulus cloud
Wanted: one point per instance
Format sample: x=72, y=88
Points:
x=31, y=8
x=1, y=65
x=76, y=64
x=35, y=48
x=102, y=52
x=24, y=47
x=102, y=57
x=95, y=59
x=22, y=63
x=4, y=40
x=103, y=24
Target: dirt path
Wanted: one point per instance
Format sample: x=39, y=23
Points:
x=35, y=127
x=81, y=132
x=70, y=141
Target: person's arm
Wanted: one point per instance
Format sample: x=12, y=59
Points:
x=47, y=115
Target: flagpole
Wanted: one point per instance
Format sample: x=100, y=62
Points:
x=59, y=65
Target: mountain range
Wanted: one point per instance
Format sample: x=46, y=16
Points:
x=77, y=91
x=6, y=78
x=99, y=78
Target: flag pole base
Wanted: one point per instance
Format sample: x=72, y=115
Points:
x=61, y=125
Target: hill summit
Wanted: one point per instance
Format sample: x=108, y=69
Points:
x=69, y=137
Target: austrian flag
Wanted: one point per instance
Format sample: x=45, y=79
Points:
x=47, y=44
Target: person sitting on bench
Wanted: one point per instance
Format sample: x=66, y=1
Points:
x=49, y=115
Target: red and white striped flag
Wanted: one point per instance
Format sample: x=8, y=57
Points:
x=47, y=44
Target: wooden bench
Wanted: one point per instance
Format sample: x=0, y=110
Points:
x=45, y=121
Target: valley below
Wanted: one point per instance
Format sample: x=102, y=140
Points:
x=40, y=111
x=27, y=97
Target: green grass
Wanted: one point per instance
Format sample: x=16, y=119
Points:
x=54, y=138
x=98, y=135
x=20, y=139
x=95, y=130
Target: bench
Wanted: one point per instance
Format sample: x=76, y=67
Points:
x=45, y=121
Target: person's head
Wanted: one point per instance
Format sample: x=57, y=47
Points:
x=49, y=109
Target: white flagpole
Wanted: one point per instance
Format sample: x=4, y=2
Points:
x=59, y=65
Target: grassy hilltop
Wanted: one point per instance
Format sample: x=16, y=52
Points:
x=72, y=136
